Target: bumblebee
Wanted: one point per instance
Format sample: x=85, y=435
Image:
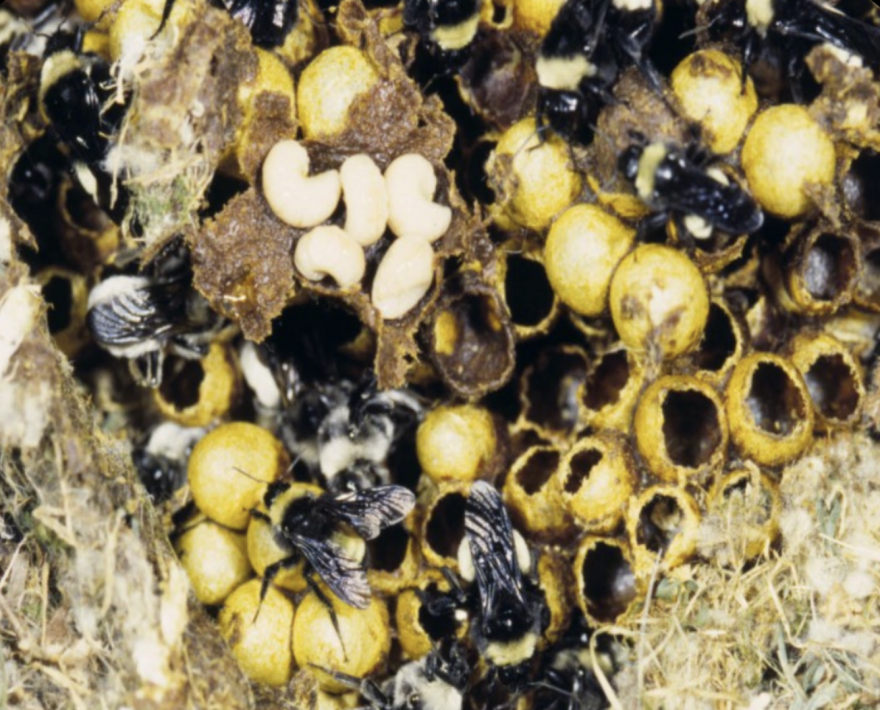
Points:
x=346, y=434
x=436, y=682
x=447, y=26
x=161, y=461
x=329, y=531
x=789, y=29
x=511, y=612
x=73, y=90
x=589, y=43
x=671, y=180
x=140, y=318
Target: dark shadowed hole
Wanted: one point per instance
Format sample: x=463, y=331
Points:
x=690, y=428
x=609, y=582
x=527, y=291
x=582, y=464
x=832, y=387
x=552, y=389
x=481, y=342
x=869, y=283
x=861, y=186
x=830, y=267
x=607, y=381
x=719, y=340
x=659, y=522
x=388, y=551
x=446, y=526
x=181, y=380
x=537, y=470
x=774, y=401
x=59, y=295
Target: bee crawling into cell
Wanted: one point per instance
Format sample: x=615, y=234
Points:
x=510, y=613
x=683, y=183
x=329, y=531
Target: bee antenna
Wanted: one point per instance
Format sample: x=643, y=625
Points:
x=247, y=475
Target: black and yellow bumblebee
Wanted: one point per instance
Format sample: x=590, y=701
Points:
x=786, y=30
x=329, y=531
x=589, y=43
x=682, y=184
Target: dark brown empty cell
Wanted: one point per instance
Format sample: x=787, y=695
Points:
x=537, y=470
x=445, y=528
x=607, y=380
x=527, y=291
x=659, y=522
x=582, y=465
x=832, y=387
x=552, y=388
x=181, y=380
x=719, y=340
x=609, y=583
x=59, y=296
x=388, y=551
x=830, y=267
x=690, y=428
x=861, y=186
x=775, y=404
x=481, y=344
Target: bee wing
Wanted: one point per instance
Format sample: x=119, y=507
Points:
x=136, y=314
x=727, y=207
x=490, y=536
x=823, y=22
x=370, y=511
x=345, y=576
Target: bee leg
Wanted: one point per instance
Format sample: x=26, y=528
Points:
x=272, y=571
x=147, y=369
x=650, y=224
x=166, y=13
x=319, y=593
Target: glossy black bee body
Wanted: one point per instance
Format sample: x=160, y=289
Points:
x=589, y=43
x=447, y=26
x=670, y=180
x=436, y=682
x=268, y=21
x=73, y=89
x=790, y=29
x=329, y=531
x=511, y=612
x=141, y=318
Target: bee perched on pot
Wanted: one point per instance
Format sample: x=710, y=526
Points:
x=329, y=531
x=683, y=183
x=589, y=43
x=789, y=29
x=511, y=613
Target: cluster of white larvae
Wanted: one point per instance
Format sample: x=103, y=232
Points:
x=401, y=200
